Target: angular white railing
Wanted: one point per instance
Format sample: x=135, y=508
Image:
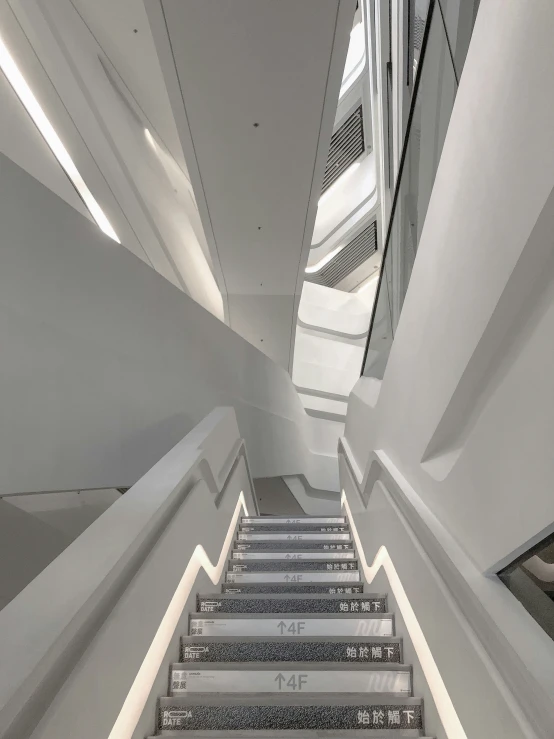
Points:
x=473, y=686
x=83, y=646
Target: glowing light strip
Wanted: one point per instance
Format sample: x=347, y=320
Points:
x=134, y=703
x=324, y=260
x=447, y=713
x=31, y=104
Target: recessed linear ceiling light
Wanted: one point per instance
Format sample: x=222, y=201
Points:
x=24, y=93
x=338, y=182
x=149, y=137
x=324, y=260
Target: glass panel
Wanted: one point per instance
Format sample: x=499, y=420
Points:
x=531, y=580
x=418, y=10
x=435, y=93
x=459, y=19
x=381, y=334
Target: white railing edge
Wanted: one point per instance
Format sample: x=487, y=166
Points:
x=34, y=663
x=452, y=583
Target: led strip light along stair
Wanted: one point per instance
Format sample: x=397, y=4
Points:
x=291, y=643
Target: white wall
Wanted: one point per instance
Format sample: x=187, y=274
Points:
x=479, y=699
x=465, y=408
x=337, y=204
x=89, y=636
x=105, y=364
x=27, y=545
x=70, y=512
x=329, y=346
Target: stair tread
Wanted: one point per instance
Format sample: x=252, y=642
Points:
x=298, y=734
x=285, y=602
x=293, y=519
x=283, y=565
x=345, y=555
x=304, y=576
x=291, y=587
x=289, y=699
x=289, y=616
x=292, y=639
x=295, y=528
x=293, y=666
x=295, y=596
x=296, y=546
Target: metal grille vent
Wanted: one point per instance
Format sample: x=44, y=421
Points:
x=347, y=144
x=354, y=253
x=419, y=30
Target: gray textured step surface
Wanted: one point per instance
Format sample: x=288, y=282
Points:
x=298, y=603
x=296, y=536
x=291, y=624
x=290, y=677
x=290, y=649
x=295, y=528
x=300, y=734
x=287, y=555
x=293, y=546
x=293, y=520
x=275, y=587
x=221, y=711
x=294, y=576
x=286, y=565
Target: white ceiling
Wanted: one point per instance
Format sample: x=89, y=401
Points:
x=122, y=31
x=231, y=65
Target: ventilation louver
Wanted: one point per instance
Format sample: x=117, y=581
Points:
x=354, y=253
x=347, y=144
x=419, y=30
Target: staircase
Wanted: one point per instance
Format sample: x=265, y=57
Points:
x=292, y=646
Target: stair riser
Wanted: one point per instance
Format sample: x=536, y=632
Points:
x=293, y=546
x=204, y=680
x=311, y=520
x=292, y=605
x=307, y=536
x=292, y=556
x=313, y=529
x=253, y=588
x=293, y=565
x=378, y=716
x=300, y=651
x=293, y=577
x=297, y=627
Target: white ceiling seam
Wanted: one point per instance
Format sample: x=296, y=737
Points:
x=255, y=117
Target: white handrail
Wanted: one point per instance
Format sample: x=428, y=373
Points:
x=47, y=627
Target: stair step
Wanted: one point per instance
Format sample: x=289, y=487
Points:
x=275, y=587
x=288, y=555
x=350, y=649
x=295, y=734
x=293, y=624
x=282, y=711
x=299, y=603
x=286, y=565
x=294, y=576
x=283, y=520
x=293, y=537
x=290, y=677
x=313, y=528
x=294, y=546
